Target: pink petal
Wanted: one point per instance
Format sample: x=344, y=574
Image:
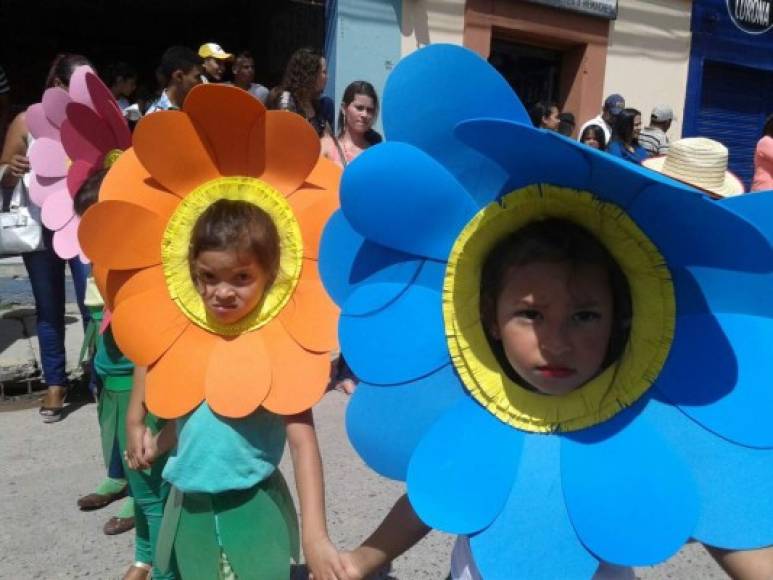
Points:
x=105, y=105
x=79, y=172
x=66, y=243
x=38, y=124
x=47, y=158
x=55, y=100
x=83, y=257
x=79, y=92
x=107, y=316
x=85, y=135
x=57, y=210
x=42, y=187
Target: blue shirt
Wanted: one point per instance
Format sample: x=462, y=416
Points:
x=216, y=454
x=638, y=155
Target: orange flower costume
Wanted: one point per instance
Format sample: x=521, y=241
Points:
x=222, y=144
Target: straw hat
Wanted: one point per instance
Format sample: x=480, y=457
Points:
x=699, y=162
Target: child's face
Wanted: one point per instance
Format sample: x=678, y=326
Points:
x=554, y=320
x=230, y=282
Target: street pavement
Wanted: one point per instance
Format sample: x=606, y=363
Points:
x=45, y=468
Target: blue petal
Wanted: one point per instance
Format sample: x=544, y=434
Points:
x=430, y=92
x=404, y=340
x=397, y=196
x=723, y=291
x=691, y=229
x=736, y=511
x=533, y=534
x=385, y=424
x=630, y=496
x=718, y=373
x=757, y=208
x=462, y=471
x=527, y=154
x=347, y=261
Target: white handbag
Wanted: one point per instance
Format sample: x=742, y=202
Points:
x=21, y=230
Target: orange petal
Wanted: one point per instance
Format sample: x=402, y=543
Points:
x=175, y=384
x=291, y=150
x=227, y=116
x=312, y=208
x=115, y=279
x=173, y=152
x=298, y=377
x=313, y=319
x=100, y=279
x=140, y=281
x=325, y=175
x=121, y=236
x=239, y=375
x=146, y=325
x=128, y=180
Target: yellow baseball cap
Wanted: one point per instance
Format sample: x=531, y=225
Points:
x=213, y=50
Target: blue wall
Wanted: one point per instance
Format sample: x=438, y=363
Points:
x=362, y=43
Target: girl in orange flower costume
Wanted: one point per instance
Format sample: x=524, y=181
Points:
x=208, y=229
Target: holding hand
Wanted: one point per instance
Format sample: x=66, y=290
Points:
x=323, y=561
x=19, y=165
x=138, y=438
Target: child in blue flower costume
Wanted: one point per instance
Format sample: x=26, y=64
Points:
x=672, y=440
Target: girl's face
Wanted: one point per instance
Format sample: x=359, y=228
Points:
x=321, y=75
x=554, y=320
x=359, y=114
x=636, y=126
x=551, y=121
x=590, y=140
x=230, y=282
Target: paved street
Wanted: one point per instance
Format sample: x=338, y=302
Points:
x=45, y=468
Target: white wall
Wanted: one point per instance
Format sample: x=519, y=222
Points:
x=430, y=22
x=648, y=56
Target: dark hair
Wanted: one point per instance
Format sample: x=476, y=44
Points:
x=299, y=78
x=623, y=128
x=119, y=70
x=598, y=134
x=88, y=193
x=566, y=124
x=352, y=90
x=241, y=226
x=177, y=58
x=62, y=68
x=540, y=110
x=767, y=128
x=553, y=240
x=244, y=55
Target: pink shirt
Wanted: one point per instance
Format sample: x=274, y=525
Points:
x=763, y=165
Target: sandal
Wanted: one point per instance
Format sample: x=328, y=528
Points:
x=53, y=413
x=138, y=571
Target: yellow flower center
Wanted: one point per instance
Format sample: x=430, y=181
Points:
x=111, y=157
x=176, y=244
x=652, y=298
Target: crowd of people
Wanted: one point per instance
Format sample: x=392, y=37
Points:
x=236, y=246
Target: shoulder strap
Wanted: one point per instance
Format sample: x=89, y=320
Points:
x=341, y=155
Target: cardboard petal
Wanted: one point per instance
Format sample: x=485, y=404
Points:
x=291, y=149
x=123, y=284
x=399, y=197
x=384, y=424
x=42, y=187
x=175, y=384
x=77, y=175
x=85, y=135
x=630, y=495
x=38, y=124
x=65, y=240
x=172, y=151
x=238, y=377
x=106, y=106
x=312, y=209
x=226, y=115
x=139, y=230
x=462, y=496
x=146, y=325
x=48, y=159
x=77, y=86
x=298, y=377
x=55, y=101
x=57, y=210
x=325, y=175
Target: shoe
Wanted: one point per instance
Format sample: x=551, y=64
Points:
x=116, y=525
x=95, y=501
x=53, y=413
x=138, y=571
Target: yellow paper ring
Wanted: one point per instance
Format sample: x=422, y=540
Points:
x=652, y=297
x=176, y=242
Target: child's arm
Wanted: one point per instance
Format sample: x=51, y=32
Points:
x=322, y=558
x=401, y=530
x=745, y=564
x=135, y=421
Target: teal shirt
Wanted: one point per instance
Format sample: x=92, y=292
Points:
x=110, y=362
x=216, y=454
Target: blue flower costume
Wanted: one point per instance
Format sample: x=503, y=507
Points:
x=672, y=442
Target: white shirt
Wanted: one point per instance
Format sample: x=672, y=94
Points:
x=598, y=120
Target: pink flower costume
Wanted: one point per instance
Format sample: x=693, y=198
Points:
x=77, y=133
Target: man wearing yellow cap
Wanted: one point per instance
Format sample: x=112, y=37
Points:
x=213, y=62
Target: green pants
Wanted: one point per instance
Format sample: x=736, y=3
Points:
x=147, y=487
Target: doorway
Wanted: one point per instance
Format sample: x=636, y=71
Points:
x=533, y=72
